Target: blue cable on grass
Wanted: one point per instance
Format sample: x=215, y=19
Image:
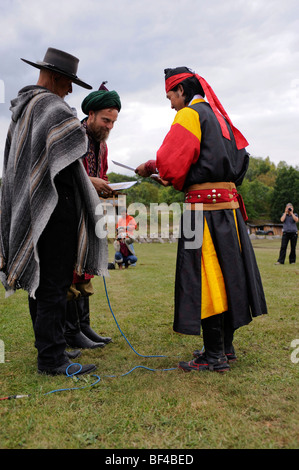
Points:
x=141, y=355
x=72, y=375
x=110, y=376
x=60, y=389
x=98, y=378
x=140, y=367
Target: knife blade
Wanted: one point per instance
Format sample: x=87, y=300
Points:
x=122, y=165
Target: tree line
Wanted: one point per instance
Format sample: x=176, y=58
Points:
x=266, y=189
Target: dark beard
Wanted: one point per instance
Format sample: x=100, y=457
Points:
x=99, y=135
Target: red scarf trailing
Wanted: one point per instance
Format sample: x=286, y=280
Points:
x=215, y=104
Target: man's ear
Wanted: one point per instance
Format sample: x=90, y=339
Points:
x=180, y=90
x=56, y=76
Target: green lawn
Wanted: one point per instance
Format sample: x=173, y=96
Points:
x=254, y=406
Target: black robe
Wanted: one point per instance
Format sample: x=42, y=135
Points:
x=219, y=161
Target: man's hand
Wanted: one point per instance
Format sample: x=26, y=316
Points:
x=142, y=171
x=161, y=181
x=102, y=187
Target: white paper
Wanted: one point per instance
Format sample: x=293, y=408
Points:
x=123, y=185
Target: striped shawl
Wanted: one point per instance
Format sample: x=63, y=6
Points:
x=44, y=137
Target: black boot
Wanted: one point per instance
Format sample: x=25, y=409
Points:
x=213, y=338
x=32, y=309
x=73, y=335
x=73, y=354
x=84, y=319
x=228, y=339
x=213, y=358
x=68, y=368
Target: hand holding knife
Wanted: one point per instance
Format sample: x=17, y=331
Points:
x=131, y=168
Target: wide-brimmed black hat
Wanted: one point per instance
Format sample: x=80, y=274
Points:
x=60, y=62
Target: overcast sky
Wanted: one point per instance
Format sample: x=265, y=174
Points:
x=248, y=50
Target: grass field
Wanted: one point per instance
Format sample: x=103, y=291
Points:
x=137, y=403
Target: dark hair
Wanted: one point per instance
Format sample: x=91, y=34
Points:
x=176, y=71
x=191, y=85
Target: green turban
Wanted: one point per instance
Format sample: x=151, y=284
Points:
x=100, y=99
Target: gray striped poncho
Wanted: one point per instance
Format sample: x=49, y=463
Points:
x=44, y=137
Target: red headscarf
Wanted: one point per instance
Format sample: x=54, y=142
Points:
x=215, y=104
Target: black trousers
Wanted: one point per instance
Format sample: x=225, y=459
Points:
x=286, y=238
x=56, y=248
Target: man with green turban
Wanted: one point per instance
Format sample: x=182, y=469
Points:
x=101, y=99
x=102, y=108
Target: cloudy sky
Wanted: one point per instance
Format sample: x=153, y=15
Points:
x=248, y=50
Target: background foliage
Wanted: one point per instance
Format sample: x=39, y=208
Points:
x=266, y=189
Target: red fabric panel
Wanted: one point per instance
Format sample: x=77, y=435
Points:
x=180, y=149
x=104, y=162
x=151, y=166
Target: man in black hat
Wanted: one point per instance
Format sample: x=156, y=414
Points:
x=47, y=225
x=102, y=108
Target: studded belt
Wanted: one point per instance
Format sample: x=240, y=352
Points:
x=213, y=196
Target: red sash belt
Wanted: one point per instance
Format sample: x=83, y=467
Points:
x=211, y=196
x=216, y=196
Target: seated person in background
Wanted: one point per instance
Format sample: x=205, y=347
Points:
x=124, y=252
x=124, y=249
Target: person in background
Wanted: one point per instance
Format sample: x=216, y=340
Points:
x=123, y=245
x=102, y=108
x=289, y=234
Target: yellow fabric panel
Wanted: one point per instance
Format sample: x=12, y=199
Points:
x=213, y=293
x=198, y=100
x=236, y=223
x=189, y=119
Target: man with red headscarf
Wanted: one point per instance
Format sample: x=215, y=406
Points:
x=218, y=285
